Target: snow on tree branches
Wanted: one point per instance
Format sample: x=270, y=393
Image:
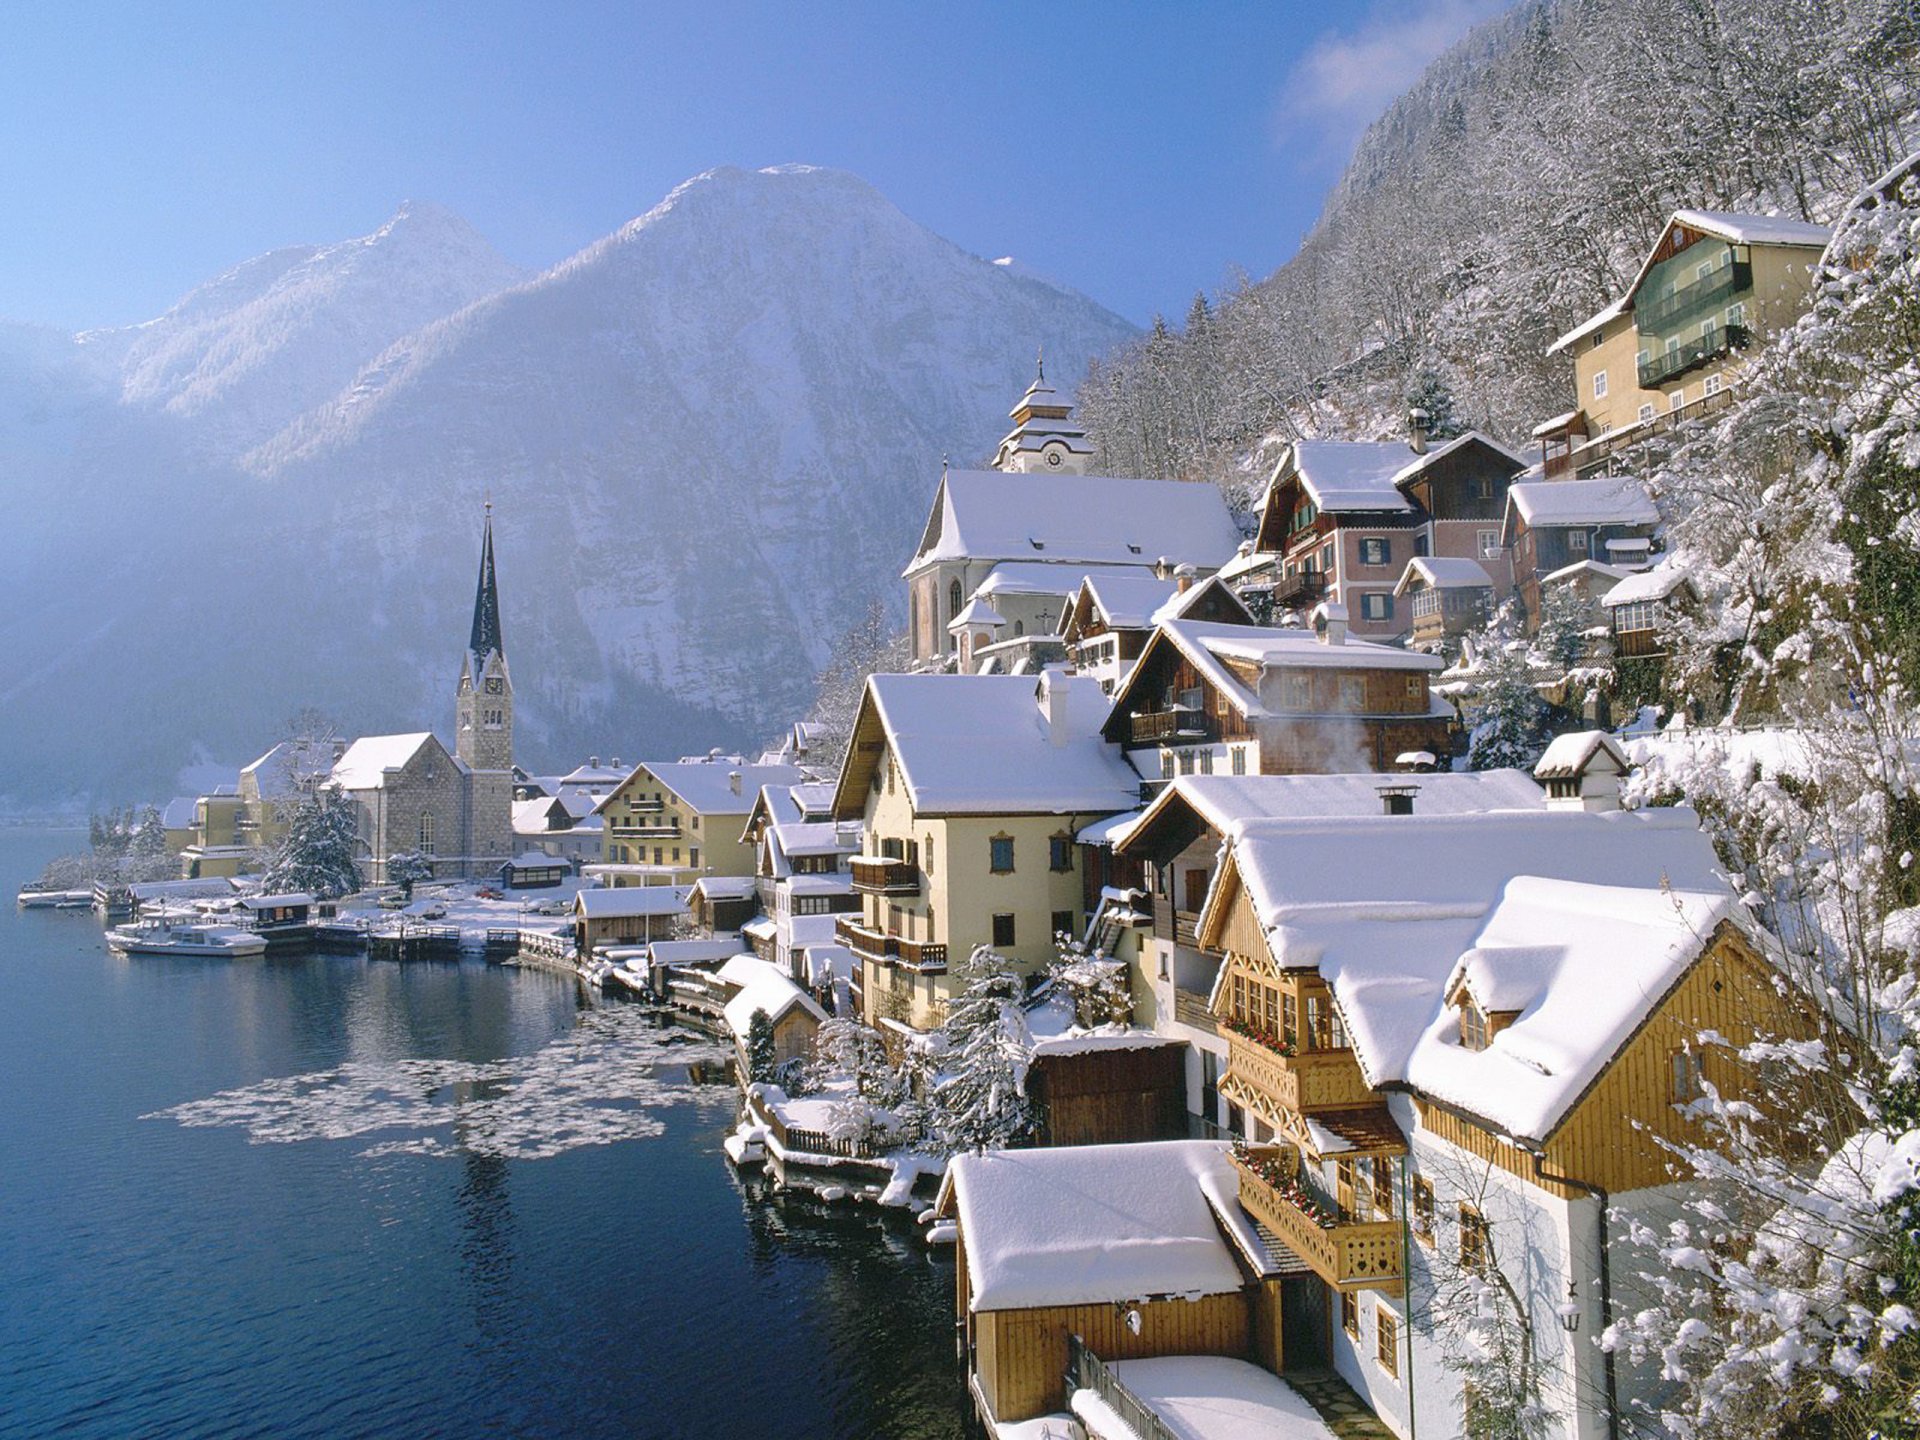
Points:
x=318, y=854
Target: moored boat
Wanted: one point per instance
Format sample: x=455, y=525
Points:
x=186, y=937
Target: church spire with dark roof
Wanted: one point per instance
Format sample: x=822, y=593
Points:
x=486, y=604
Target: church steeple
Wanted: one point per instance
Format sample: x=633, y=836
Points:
x=486, y=602
x=483, y=705
x=1044, y=436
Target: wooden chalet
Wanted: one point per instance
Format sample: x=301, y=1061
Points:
x=1111, y=616
x=1550, y=525
x=1243, y=700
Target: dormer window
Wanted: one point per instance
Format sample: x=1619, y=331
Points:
x=1473, y=1024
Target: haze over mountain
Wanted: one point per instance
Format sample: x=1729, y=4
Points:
x=710, y=439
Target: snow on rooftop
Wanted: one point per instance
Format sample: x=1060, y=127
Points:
x=1555, y=425
x=1569, y=755
x=1602, y=500
x=181, y=813
x=1629, y=897
x=979, y=744
x=977, y=612
x=710, y=786
x=1352, y=474
x=367, y=760
x=1655, y=584
x=991, y=515
x=1224, y=801
x=1742, y=229
x=1579, y=332
x=1444, y=572
x=1096, y=1224
x=1212, y=1397
x=1422, y=460
x=629, y=901
x=763, y=986
x=1130, y=598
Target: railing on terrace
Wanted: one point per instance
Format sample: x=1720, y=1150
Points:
x=1661, y=368
x=1182, y=927
x=644, y=830
x=1087, y=1371
x=1174, y=724
x=1305, y=588
x=1598, y=455
x=1313, y=1079
x=1727, y=280
x=890, y=949
x=883, y=875
x=792, y=1138
x=1348, y=1254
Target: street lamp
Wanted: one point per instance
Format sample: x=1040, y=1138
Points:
x=1570, y=1310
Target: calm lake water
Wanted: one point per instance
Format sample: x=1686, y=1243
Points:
x=322, y=1197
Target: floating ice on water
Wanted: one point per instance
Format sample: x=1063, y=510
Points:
x=597, y=1084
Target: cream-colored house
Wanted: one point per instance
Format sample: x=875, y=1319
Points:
x=972, y=789
x=670, y=822
x=1672, y=346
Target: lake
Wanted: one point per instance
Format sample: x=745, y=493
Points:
x=329, y=1197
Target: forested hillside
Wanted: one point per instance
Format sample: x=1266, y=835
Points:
x=1511, y=193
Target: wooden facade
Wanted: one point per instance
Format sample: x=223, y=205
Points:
x=1112, y=1096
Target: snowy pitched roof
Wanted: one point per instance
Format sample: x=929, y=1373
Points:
x=1655, y=584
x=1608, y=907
x=180, y=813
x=1585, y=328
x=763, y=986
x=595, y=776
x=1223, y=801
x=1097, y=1224
x=1602, y=500
x=1350, y=474
x=1742, y=229
x=1075, y=519
x=631, y=901
x=1420, y=462
x=1130, y=598
x=725, y=887
x=1598, y=569
x=724, y=786
x=1571, y=755
x=977, y=612
x=979, y=744
x=367, y=760
x=1444, y=572
x=274, y=773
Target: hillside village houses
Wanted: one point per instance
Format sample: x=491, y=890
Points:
x=671, y=822
x=804, y=883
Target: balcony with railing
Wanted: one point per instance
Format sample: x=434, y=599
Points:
x=1179, y=926
x=1347, y=1254
x=1291, y=592
x=870, y=944
x=1179, y=725
x=884, y=875
x=1190, y=1008
x=1662, y=310
x=1659, y=369
x=1308, y=1080
x=642, y=829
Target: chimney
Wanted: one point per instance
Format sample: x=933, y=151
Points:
x=733, y=781
x=593, y=762
x=1183, y=578
x=1163, y=568
x=1330, y=622
x=1052, y=694
x=1582, y=771
x=1419, y=422
x=1397, y=799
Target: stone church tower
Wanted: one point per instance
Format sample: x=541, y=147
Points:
x=483, y=719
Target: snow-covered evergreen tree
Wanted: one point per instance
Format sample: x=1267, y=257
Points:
x=1429, y=393
x=1098, y=988
x=980, y=1101
x=318, y=854
x=760, y=1048
x=870, y=647
x=149, y=838
x=408, y=869
x=1509, y=720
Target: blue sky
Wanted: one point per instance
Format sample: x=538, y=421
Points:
x=1136, y=151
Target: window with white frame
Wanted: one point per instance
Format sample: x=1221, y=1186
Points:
x=1711, y=385
x=1577, y=541
x=1374, y=551
x=1376, y=605
x=1646, y=413
x=1600, y=385
x=1425, y=603
x=1489, y=544
x=1676, y=400
x=1636, y=615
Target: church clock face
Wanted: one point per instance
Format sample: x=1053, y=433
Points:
x=1053, y=458
x=494, y=685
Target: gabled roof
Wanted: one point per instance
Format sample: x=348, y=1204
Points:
x=1579, y=332
x=709, y=786
x=1594, y=916
x=1075, y=520
x=1412, y=470
x=1221, y=802
x=368, y=759
x=977, y=612
x=762, y=987
x=1100, y=1224
x=1348, y=474
x=180, y=813
x=1444, y=572
x=979, y=744
x=1655, y=584
x=1570, y=756
x=1602, y=500
x=630, y=901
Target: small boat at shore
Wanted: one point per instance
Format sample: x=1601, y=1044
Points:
x=187, y=938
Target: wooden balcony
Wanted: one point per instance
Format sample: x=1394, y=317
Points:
x=644, y=830
x=869, y=944
x=1313, y=1080
x=1292, y=592
x=1177, y=726
x=1179, y=926
x=1350, y=1255
x=1190, y=1008
x=880, y=875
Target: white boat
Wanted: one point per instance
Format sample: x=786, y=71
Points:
x=186, y=937
x=54, y=899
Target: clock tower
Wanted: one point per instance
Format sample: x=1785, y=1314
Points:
x=483, y=707
x=1044, y=438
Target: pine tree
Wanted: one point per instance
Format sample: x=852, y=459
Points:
x=150, y=839
x=408, y=869
x=761, y=1061
x=1429, y=391
x=317, y=856
x=1509, y=719
x=980, y=1103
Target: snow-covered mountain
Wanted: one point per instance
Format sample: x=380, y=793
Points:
x=710, y=439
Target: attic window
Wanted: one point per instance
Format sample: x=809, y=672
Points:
x=1133, y=549
x=1473, y=1024
x=1037, y=544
